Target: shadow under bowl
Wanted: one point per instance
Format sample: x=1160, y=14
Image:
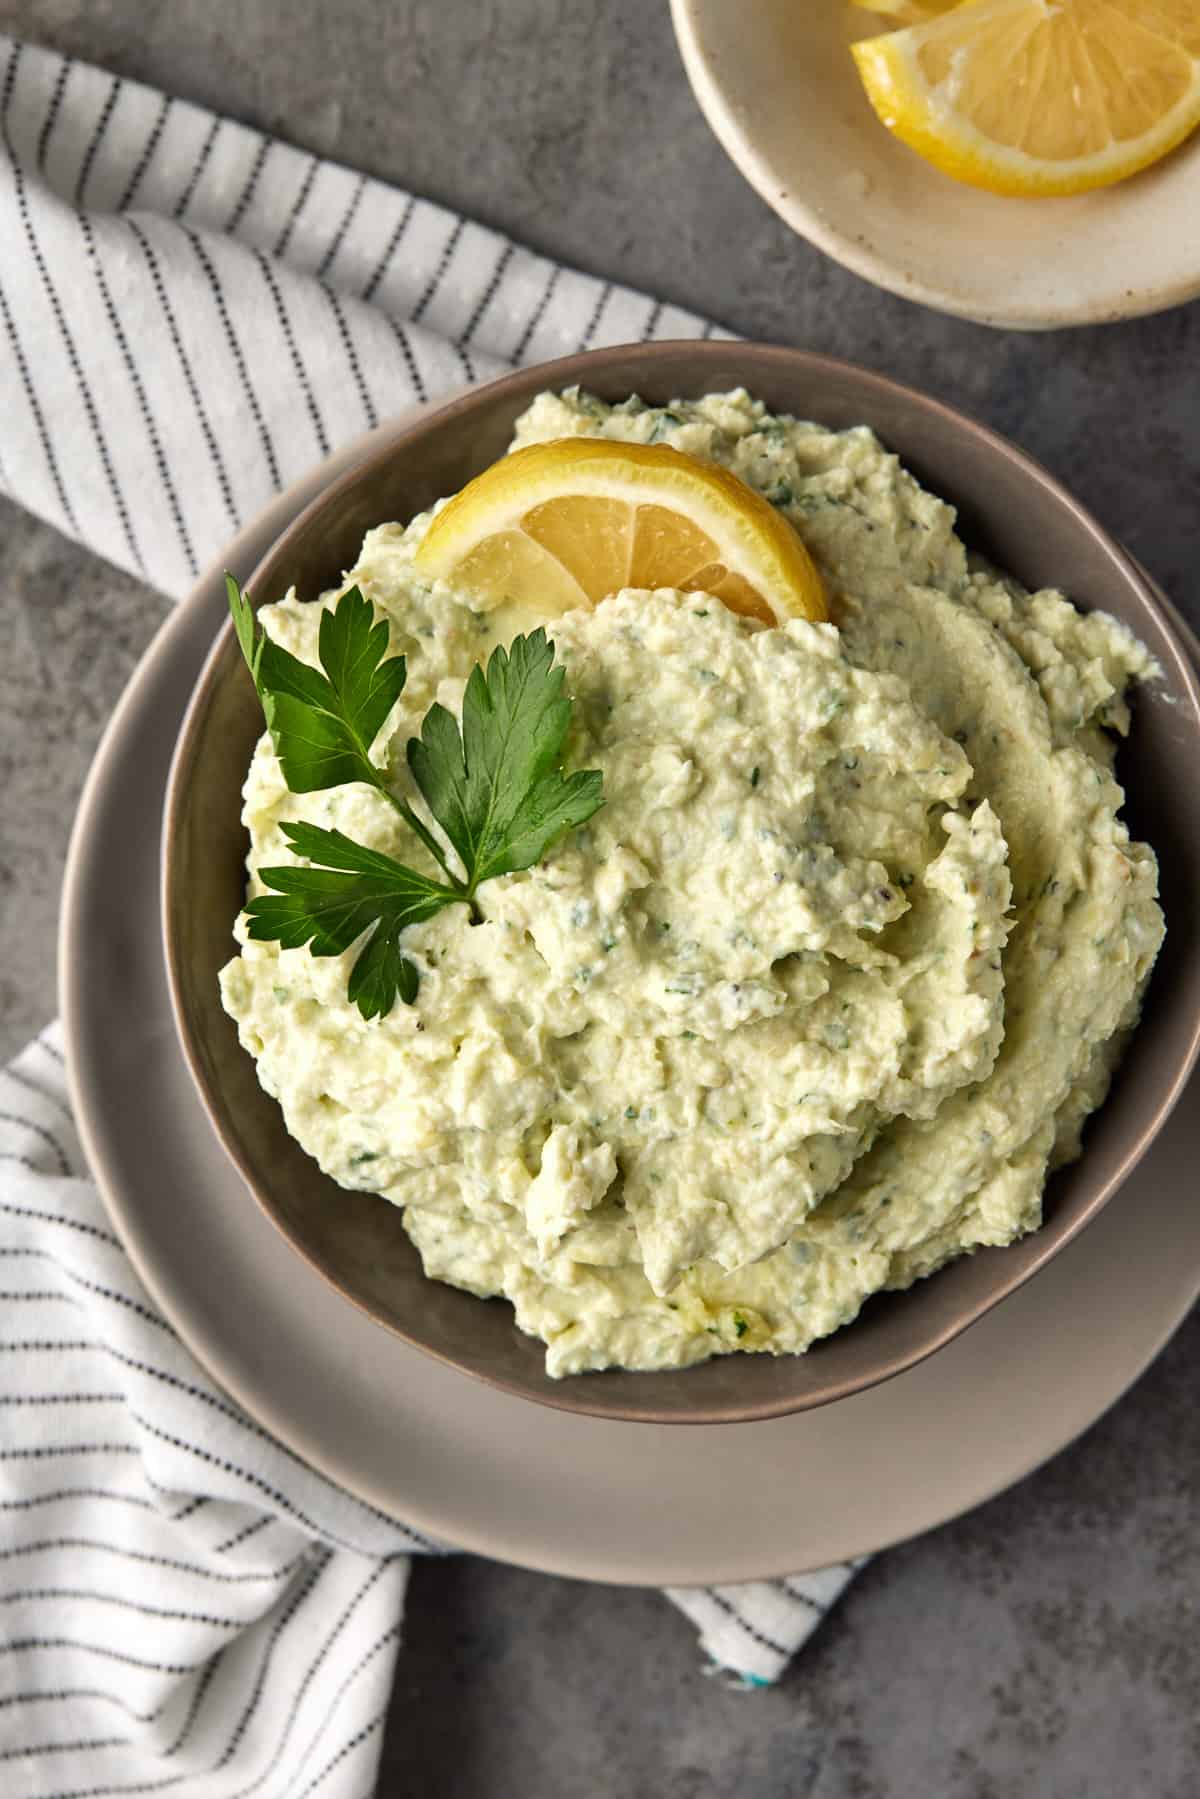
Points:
x=1009, y=509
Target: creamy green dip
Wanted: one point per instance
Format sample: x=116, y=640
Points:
x=816, y=1000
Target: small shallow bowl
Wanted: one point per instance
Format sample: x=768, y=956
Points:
x=1009, y=509
x=776, y=82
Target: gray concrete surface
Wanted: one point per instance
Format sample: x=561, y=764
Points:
x=1046, y=1646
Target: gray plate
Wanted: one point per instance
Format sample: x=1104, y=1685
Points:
x=633, y=1503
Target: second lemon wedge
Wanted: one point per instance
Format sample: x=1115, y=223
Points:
x=563, y=524
x=1040, y=96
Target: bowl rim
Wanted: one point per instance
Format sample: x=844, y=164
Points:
x=573, y=1396
x=819, y=228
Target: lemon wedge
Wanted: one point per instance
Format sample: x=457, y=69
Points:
x=908, y=12
x=563, y=524
x=1040, y=96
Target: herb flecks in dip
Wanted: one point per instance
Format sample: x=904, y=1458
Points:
x=817, y=999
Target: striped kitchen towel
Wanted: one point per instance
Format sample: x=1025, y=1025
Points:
x=191, y=315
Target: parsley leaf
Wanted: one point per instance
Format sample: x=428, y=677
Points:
x=323, y=724
x=497, y=787
x=350, y=890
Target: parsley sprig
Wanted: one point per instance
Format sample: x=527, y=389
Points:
x=494, y=785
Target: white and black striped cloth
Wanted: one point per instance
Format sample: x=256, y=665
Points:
x=191, y=316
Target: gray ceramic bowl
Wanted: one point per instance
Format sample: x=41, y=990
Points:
x=1010, y=509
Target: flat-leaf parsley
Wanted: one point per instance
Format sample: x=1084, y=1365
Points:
x=349, y=890
x=495, y=785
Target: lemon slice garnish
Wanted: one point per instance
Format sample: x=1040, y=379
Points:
x=1040, y=96
x=563, y=524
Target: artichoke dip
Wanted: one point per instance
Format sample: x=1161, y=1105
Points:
x=814, y=1002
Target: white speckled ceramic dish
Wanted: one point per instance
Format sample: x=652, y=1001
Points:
x=778, y=86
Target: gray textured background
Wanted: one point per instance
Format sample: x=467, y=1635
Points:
x=1046, y=1646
